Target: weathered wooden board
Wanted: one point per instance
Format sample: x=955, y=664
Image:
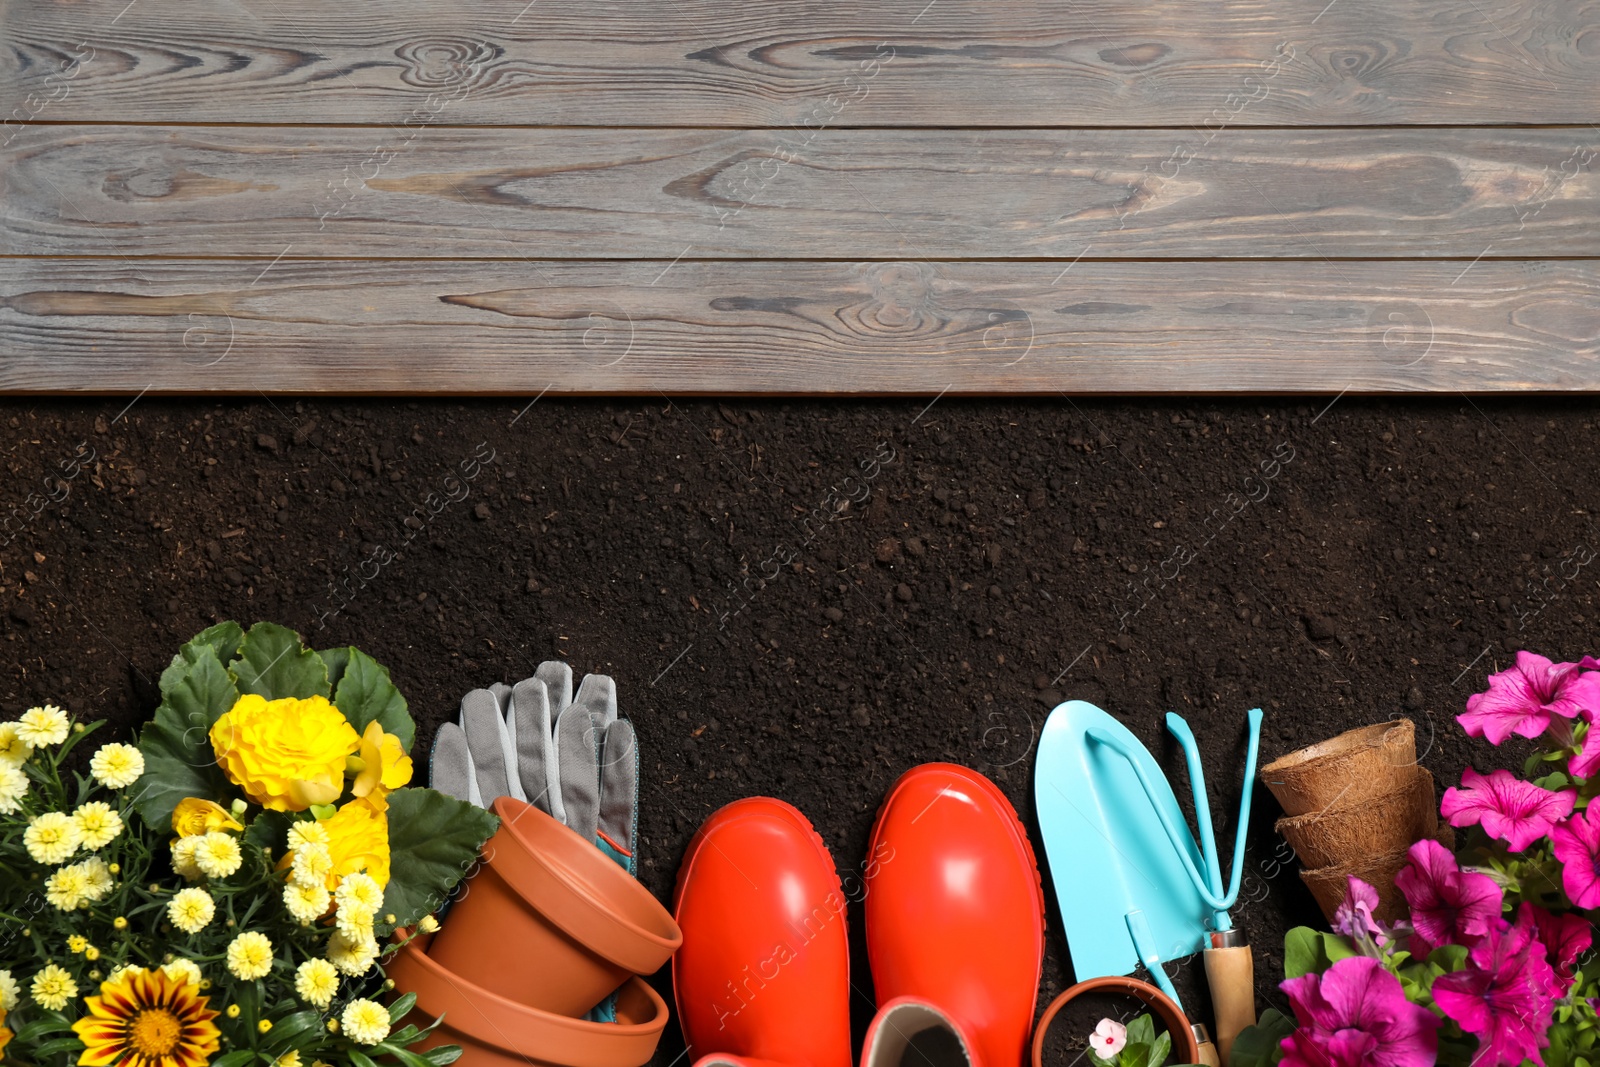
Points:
x=804, y=62
x=568, y=193
x=107, y=325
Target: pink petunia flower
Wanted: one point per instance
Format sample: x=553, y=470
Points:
x=1521, y=699
x=1505, y=996
x=1566, y=937
x=1577, y=846
x=1517, y=812
x=1449, y=906
x=1356, y=1014
x=1353, y=918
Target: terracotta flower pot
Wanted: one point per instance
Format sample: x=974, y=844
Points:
x=495, y=1032
x=1344, y=769
x=548, y=922
x=1374, y=825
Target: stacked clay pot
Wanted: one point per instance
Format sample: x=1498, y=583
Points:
x=546, y=928
x=1353, y=805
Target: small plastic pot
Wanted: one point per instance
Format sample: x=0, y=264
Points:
x=495, y=1032
x=548, y=921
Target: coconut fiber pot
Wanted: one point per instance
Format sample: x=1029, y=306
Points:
x=548, y=921
x=1344, y=769
x=1377, y=870
x=1379, y=824
x=495, y=1032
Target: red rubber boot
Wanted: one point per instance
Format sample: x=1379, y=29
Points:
x=763, y=977
x=955, y=921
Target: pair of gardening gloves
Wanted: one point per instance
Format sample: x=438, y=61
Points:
x=571, y=757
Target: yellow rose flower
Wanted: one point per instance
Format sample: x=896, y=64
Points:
x=358, y=840
x=193, y=817
x=382, y=765
x=285, y=754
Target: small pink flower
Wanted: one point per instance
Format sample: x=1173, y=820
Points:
x=1515, y=811
x=1109, y=1038
x=1577, y=846
x=1449, y=906
x=1566, y=936
x=1520, y=700
x=1356, y=1014
x=1505, y=996
x=1354, y=915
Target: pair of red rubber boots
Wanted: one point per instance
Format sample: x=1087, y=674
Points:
x=954, y=922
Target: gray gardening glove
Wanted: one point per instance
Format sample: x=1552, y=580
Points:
x=574, y=759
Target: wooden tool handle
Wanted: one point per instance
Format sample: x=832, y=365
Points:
x=1208, y=1055
x=1231, y=973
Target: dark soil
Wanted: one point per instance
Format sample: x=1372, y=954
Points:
x=996, y=558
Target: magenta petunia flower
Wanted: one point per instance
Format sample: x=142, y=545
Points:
x=1355, y=1014
x=1354, y=914
x=1521, y=699
x=1449, y=906
x=1515, y=811
x=1577, y=846
x=1505, y=996
x=1566, y=937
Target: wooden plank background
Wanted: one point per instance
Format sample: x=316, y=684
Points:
x=702, y=197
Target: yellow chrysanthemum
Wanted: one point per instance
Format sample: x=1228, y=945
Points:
x=77, y=943
x=191, y=909
x=98, y=824
x=52, y=837
x=43, y=726
x=13, y=749
x=183, y=861
x=307, y=901
x=366, y=1022
x=428, y=924
x=358, y=839
x=10, y=995
x=184, y=970
x=148, y=1019
x=67, y=889
x=353, y=956
x=359, y=892
x=250, y=956
x=194, y=817
x=307, y=832
x=218, y=855
x=316, y=981
x=310, y=864
x=288, y=1059
x=13, y=787
x=53, y=987
x=382, y=764
x=117, y=766
x=285, y=754
x=356, y=925
x=100, y=882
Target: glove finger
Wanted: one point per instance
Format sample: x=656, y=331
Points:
x=537, y=763
x=502, y=696
x=598, y=693
x=580, y=770
x=557, y=679
x=619, y=785
x=450, y=768
x=485, y=734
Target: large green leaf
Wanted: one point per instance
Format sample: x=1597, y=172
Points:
x=335, y=660
x=1306, y=950
x=274, y=664
x=1259, y=1045
x=222, y=639
x=366, y=695
x=176, y=743
x=433, y=840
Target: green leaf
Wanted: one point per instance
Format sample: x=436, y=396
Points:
x=1554, y=781
x=285, y=1030
x=237, y=1058
x=56, y=1047
x=223, y=641
x=366, y=695
x=1159, y=1051
x=405, y=1056
x=443, y=1055
x=1133, y=1054
x=1303, y=952
x=400, y=1007
x=1260, y=1045
x=433, y=840
x=176, y=743
x=1142, y=1030
x=274, y=664
x=335, y=660
x=270, y=829
x=361, y=1059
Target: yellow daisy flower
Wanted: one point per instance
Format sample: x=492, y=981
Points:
x=66, y=889
x=218, y=855
x=187, y=970
x=316, y=981
x=13, y=749
x=359, y=893
x=47, y=725
x=183, y=860
x=148, y=1019
x=365, y=1021
x=428, y=924
x=312, y=863
x=307, y=901
x=250, y=956
x=52, y=837
x=13, y=787
x=77, y=943
x=53, y=988
x=191, y=909
x=307, y=832
x=98, y=824
x=10, y=995
x=117, y=766
x=99, y=874
x=352, y=955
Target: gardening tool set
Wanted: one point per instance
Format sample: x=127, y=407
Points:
x=541, y=959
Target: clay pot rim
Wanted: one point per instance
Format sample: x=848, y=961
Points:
x=1404, y=790
x=416, y=953
x=580, y=886
x=1362, y=738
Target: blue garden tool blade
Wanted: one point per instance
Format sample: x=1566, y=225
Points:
x=1109, y=840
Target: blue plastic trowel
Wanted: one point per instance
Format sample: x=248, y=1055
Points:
x=1133, y=884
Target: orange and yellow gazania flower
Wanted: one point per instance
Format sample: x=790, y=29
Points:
x=148, y=1019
